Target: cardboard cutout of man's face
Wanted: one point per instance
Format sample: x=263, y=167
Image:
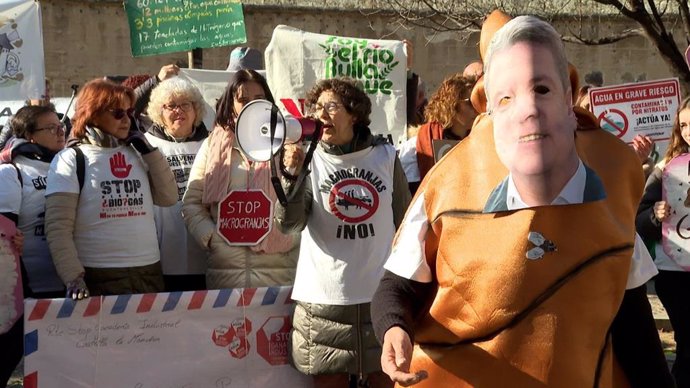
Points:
x=532, y=113
x=534, y=125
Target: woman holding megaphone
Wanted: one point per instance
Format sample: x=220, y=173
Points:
x=348, y=210
x=245, y=248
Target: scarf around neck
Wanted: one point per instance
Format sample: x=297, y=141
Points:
x=22, y=147
x=95, y=136
x=217, y=181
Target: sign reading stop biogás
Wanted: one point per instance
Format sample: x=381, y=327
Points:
x=245, y=217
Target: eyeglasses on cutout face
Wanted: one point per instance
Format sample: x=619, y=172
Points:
x=54, y=129
x=330, y=107
x=119, y=113
x=184, y=106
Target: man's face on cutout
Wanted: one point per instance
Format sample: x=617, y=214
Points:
x=532, y=112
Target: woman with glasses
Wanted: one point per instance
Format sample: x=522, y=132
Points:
x=347, y=209
x=221, y=168
x=38, y=136
x=100, y=196
x=176, y=108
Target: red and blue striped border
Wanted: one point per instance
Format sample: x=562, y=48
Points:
x=37, y=310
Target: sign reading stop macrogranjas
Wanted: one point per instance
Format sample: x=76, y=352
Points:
x=245, y=217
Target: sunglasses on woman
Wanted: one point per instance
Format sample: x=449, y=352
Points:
x=119, y=113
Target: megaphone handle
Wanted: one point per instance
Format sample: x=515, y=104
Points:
x=275, y=181
x=280, y=193
x=307, y=161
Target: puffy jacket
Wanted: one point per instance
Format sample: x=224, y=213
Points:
x=231, y=266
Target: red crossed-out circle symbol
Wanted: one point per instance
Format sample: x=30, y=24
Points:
x=614, y=121
x=353, y=200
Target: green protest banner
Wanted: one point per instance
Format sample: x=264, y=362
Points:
x=165, y=26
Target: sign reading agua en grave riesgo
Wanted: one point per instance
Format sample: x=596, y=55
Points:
x=642, y=108
x=165, y=26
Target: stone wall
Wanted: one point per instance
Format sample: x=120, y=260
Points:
x=85, y=39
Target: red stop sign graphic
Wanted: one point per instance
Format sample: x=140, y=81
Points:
x=245, y=217
x=272, y=340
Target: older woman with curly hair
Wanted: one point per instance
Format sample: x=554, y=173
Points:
x=176, y=109
x=347, y=209
x=449, y=116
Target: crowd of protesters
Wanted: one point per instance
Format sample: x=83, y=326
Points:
x=128, y=203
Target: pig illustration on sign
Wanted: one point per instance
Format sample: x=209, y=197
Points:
x=9, y=42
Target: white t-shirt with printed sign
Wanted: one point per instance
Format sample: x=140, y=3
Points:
x=28, y=201
x=350, y=229
x=114, y=226
x=180, y=253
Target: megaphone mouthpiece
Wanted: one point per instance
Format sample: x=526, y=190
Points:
x=253, y=130
x=300, y=129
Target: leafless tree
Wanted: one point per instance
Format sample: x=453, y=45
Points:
x=654, y=19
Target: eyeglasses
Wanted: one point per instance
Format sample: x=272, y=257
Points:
x=330, y=107
x=184, y=106
x=119, y=113
x=466, y=102
x=54, y=129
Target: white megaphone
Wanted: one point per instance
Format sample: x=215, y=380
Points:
x=253, y=130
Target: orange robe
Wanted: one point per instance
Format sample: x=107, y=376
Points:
x=499, y=319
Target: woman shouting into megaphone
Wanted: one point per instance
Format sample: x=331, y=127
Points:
x=348, y=210
x=229, y=200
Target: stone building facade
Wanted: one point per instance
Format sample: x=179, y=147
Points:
x=85, y=39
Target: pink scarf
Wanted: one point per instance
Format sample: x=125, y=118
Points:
x=217, y=182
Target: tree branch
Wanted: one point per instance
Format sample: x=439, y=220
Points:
x=604, y=40
x=657, y=18
x=650, y=20
x=684, y=12
x=632, y=14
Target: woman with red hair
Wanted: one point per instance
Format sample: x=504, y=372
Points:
x=100, y=196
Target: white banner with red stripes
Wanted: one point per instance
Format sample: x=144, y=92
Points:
x=215, y=339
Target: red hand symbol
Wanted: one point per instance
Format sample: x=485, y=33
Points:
x=119, y=166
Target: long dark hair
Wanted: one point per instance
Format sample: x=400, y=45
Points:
x=225, y=114
x=677, y=145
